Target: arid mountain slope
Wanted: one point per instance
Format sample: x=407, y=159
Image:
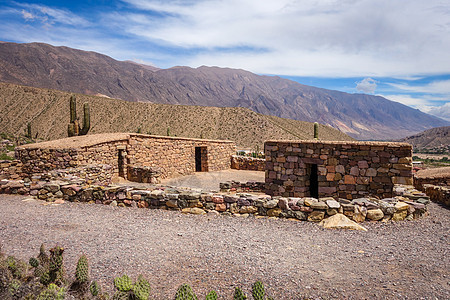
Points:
x=438, y=137
x=48, y=113
x=62, y=68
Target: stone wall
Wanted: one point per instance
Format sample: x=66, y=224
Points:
x=438, y=194
x=173, y=156
x=239, y=162
x=343, y=169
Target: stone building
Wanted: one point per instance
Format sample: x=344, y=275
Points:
x=122, y=152
x=336, y=169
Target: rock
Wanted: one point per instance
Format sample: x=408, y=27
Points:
x=399, y=215
x=423, y=201
x=172, y=203
x=59, y=201
x=217, y=199
x=113, y=203
x=309, y=201
x=271, y=203
x=319, y=205
x=375, y=214
x=274, y=212
x=197, y=211
x=359, y=213
x=248, y=210
x=157, y=194
x=316, y=216
x=387, y=208
x=230, y=199
x=306, y=209
x=401, y=206
x=143, y=204
x=332, y=211
x=283, y=203
x=339, y=221
x=297, y=215
x=234, y=209
x=242, y=201
x=209, y=205
x=52, y=187
x=333, y=204
x=221, y=207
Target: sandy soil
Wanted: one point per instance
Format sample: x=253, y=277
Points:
x=434, y=173
x=404, y=260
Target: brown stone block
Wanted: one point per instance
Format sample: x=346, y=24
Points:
x=331, y=176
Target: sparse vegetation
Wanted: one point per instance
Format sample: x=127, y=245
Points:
x=44, y=278
x=47, y=107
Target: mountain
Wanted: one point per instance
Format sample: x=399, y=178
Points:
x=62, y=68
x=431, y=139
x=47, y=111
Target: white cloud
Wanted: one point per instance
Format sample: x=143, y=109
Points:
x=438, y=111
x=27, y=15
x=367, y=85
x=434, y=87
x=304, y=38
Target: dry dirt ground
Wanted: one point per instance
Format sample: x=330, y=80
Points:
x=434, y=173
x=404, y=260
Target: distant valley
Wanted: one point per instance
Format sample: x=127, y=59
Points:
x=62, y=68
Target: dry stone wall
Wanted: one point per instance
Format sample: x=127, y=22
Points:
x=336, y=169
x=239, y=162
x=172, y=156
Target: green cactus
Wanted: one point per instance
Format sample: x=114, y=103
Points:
x=185, y=292
x=39, y=271
x=43, y=257
x=82, y=270
x=258, y=291
x=73, y=128
x=52, y=292
x=13, y=287
x=45, y=278
x=141, y=288
x=28, y=131
x=94, y=288
x=212, y=296
x=56, y=266
x=316, y=130
x=123, y=284
x=34, y=262
x=168, y=131
x=239, y=294
x=119, y=295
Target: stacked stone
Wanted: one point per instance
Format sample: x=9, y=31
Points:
x=236, y=186
x=438, y=194
x=419, y=182
x=240, y=162
x=410, y=205
x=144, y=174
x=345, y=169
x=11, y=169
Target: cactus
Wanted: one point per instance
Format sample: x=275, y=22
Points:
x=123, y=284
x=94, y=288
x=141, y=288
x=39, y=271
x=33, y=262
x=73, y=128
x=212, y=296
x=28, y=131
x=239, y=294
x=258, y=291
x=185, y=292
x=52, y=292
x=56, y=267
x=43, y=257
x=82, y=270
x=168, y=131
x=316, y=130
x=121, y=296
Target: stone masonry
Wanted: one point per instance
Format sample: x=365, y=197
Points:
x=336, y=169
x=172, y=156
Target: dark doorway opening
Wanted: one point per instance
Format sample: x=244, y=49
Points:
x=120, y=164
x=198, y=159
x=314, y=182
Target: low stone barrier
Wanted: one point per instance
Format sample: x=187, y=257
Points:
x=410, y=205
x=239, y=162
x=236, y=186
x=438, y=194
x=419, y=182
x=143, y=174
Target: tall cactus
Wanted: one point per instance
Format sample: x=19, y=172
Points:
x=316, y=130
x=74, y=129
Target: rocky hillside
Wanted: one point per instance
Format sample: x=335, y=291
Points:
x=430, y=140
x=48, y=113
x=62, y=68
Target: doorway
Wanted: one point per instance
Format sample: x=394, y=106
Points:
x=314, y=182
x=201, y=162
x=120, y=163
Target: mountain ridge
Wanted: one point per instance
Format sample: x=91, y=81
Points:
x=63, y=68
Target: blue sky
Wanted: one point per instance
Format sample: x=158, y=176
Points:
x=397, y=49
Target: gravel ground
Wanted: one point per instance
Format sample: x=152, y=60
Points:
x=404, y=260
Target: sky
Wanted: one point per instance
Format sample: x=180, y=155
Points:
x=396, y=49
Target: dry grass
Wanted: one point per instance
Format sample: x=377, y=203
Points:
x=48, y=112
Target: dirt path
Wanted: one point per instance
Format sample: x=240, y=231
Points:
x=393, y=261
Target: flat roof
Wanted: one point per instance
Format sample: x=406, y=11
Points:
x=362, y=143
x=97, y=139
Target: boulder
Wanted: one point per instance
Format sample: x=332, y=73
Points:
x=339, y=221
x=375, y=214
x=316, y=216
